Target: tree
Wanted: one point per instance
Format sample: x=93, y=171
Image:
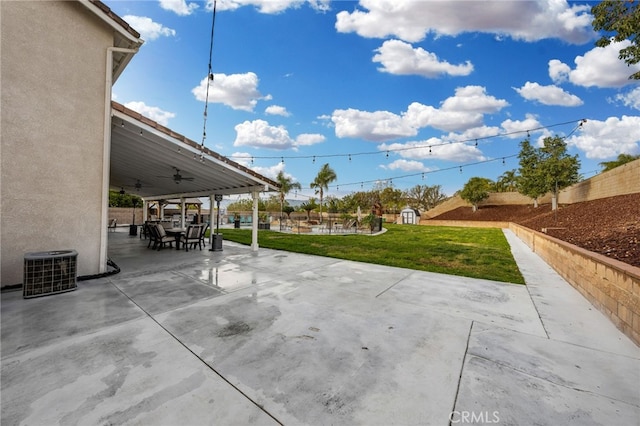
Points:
x=325, y=176
x=476, y=190
x=530, y=183
x=392, y=199
x=425, y=197
x=507, y=182
x=546, y=169
x=621, y=160
x=122, y=199
x=308, y=206
x=286, y=185
x=557, y=167
x=622, y=19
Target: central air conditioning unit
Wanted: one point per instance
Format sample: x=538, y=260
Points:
x=49, y=272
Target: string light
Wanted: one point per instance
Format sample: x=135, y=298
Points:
x=414, y=147
x=210, y=78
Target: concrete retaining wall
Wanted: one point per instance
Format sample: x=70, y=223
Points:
x=610, y=285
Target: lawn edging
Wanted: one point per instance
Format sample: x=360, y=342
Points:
x=613, y=287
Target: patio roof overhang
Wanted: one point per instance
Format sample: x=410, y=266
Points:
x=145, y=152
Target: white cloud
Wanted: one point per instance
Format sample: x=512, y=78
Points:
x=473, y=99
x=516, y=129
x=434, y=148
x=277, y=110
x=400, y=58
x=460, y=112
x=558, y=71
x=599, y=67
x=245, y=159
x=148, y=29
x=607, y=139
x=270, y=172
x=412, y=20
x=374, y=126
x=419, y=115
x=271, y=6
x=261, y=134
x=306, y=139
x=548, y=95
x=154, y=113
x=238, y=91
x=407, y=166
x=630, y=99
x=180, y=7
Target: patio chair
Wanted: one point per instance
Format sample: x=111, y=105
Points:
x=163, y=238
x=112, y=225
x=152, y=233
x=203, y=238
x=192, y=237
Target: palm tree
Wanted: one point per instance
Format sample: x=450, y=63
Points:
x=507, y=182
x=286, y=185
x=325, y=176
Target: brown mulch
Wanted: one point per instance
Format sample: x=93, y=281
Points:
x=609, y=226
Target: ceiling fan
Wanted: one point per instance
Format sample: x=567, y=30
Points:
x=177, y=177
x=138, y=185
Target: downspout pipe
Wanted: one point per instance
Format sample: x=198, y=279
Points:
x=106, y=151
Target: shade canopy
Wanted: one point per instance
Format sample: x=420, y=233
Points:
x=155, y=163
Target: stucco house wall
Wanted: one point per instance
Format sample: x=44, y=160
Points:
x=52, y=118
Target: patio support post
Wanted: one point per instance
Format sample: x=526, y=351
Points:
x=145, y=210
x=182, y=212
x=211, y=200
x=254, y=221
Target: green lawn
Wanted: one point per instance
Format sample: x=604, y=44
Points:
x=470, y=252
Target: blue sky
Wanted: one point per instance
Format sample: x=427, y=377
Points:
x=403, y=92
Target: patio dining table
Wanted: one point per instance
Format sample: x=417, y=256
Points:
x=179, y=233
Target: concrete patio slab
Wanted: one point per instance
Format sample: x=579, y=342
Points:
x=500, y=304
x=132, y=373
x=238, y=337
x=321, y=355
x=28, y=324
